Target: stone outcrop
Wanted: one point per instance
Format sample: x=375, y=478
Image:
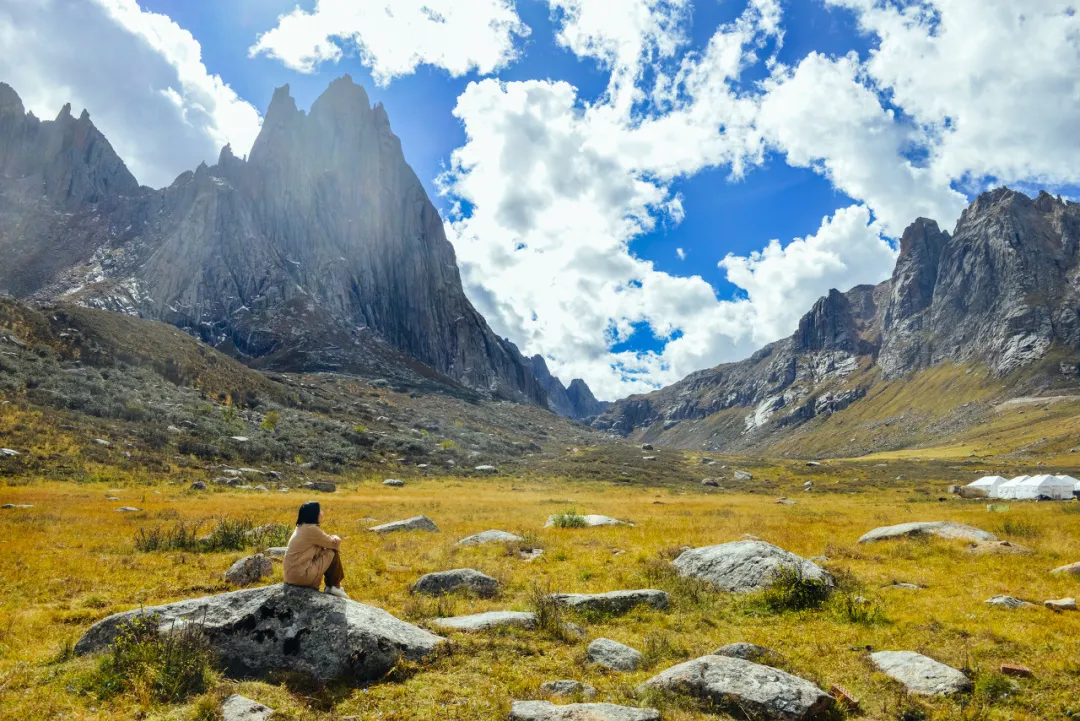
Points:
x=920, y=674
x=262, y=631
x=416, y=523
x=459, y=579
x=547, y=711
x=238, y=708
x=249, y=570
x=940, y=529
x=744, y=566
x=613, y=655
x=745, y=688
x=486, y=621
x=612, y=602
x=489, y=537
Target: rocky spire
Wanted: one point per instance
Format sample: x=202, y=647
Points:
x=828, y=326
x=916, y=270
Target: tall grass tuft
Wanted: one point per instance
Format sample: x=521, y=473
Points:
x=181, y=536
x=568, y=519
x=550, y=616
x=1018, y=528
x=153, y=666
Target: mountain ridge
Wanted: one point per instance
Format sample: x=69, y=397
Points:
x=318, y=251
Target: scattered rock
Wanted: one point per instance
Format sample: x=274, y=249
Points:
x=102, y=442
x=648, y=458
x=592, y=520
x=249, y=570
x=437, y=584
x=744, y=566
x=647, y=446
x=1007, y=602
x=530, y=554
x=568, y=688
x=485, y=469
x=1073, y=569
x=614, y=655
x=1010, y=669
x=744, y=688
x=998, y=547
x=574, y=630
x=905, y=586
x=712, y=482
x=1061, y=604
x=749, y=652
x=547, y=711
x=240, y=439
x=490, y=537
x=17, y=505
x=238, y=708
x=613, y=602
x=277, y=551
x=416, y=523
x=263, y=631
x=320, y=486
x=812, y=464
x=743, y=476
x=941, y=529
x=198, y=486
x=128, y=509
x=920, y=674
x=8, y=452
x=393, y=483
x=487, y=621
x=785, y=502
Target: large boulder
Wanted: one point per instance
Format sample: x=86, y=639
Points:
x=459, y=579
x=743, y=687
x=490, y=537
x=238, y=708
x=416, y=523
x=614, y=655
x=941, y=529
x=261, y=631
x=743, y=566
x=920, y=674
x=613, y=602
x=249, y=570
x=486, y=621
x=547, y=711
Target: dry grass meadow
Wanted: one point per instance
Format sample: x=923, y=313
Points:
x=71, y=560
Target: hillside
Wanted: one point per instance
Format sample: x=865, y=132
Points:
x=967, y=322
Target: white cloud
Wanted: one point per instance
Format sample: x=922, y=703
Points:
x=139, y=74
x=994, y=85
x=394, y=38
x=681, y=253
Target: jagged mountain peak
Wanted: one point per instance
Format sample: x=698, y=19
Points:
x=10, y=102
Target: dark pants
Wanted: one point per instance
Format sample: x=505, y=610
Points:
x=335, y=574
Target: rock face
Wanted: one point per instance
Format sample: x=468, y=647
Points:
x=941, y=529
x=487, y=621
x=238, y=708
x=416, y=523
x=920, y=674
x=489, y=537
x=744, y=566
x=614, y=655
x=249, y=570
x=746, y=688
x=260, y=631
x=547, y=711
x=613, y=602
x=459, y=579
x=319, y=251
x=997, y=291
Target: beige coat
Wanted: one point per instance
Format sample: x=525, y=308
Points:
x=310, y=553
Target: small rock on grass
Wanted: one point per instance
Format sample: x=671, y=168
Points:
x=277, y=551
x=547, y=711
x=1007, y=602
x=17, y=505
x=486, y=621
x=613, y=602
x=613, y=655
x=1072, y=569
x=198, y=486
x=568, y=687
x=249, y=570
x=1061, y=604
x=393, y=483
x=490, y=537
x=749, y=652
x=416, y=523
x=459, y=579
x=128, y=509
x=1012, y=669
x=921, y=674
x=238, y=708
x=941, y=529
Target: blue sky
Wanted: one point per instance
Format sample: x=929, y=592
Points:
x=635, y=189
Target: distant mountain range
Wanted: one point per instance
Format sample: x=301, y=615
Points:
x=998, y=298
x=319, y=251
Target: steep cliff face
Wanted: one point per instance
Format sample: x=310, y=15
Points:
x=577, y=401
x=1001, y=291
x=319, y=251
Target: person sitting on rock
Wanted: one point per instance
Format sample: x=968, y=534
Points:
x=313, y=555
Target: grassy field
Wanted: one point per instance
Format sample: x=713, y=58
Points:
x=71, y=560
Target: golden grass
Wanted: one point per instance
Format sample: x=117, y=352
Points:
x=70, y=561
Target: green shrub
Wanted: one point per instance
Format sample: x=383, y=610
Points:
x=157, y=667
x=446, y=445
x=181, y=536
x=270, y=421
x=790, y=590
x=550, y=615
x=568, y=519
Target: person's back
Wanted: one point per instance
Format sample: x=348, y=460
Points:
x=313, y=554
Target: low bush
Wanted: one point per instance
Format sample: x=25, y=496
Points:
x=568, y=519
x=791, y=590
x=181, y=536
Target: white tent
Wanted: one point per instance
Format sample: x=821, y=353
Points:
x=1076, y=483
x=985, y=486
x=1045, y=486
x=1008, y=488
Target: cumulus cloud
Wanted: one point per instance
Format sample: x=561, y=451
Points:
x=139, y=74
x=394, y=38
x=681, y=253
